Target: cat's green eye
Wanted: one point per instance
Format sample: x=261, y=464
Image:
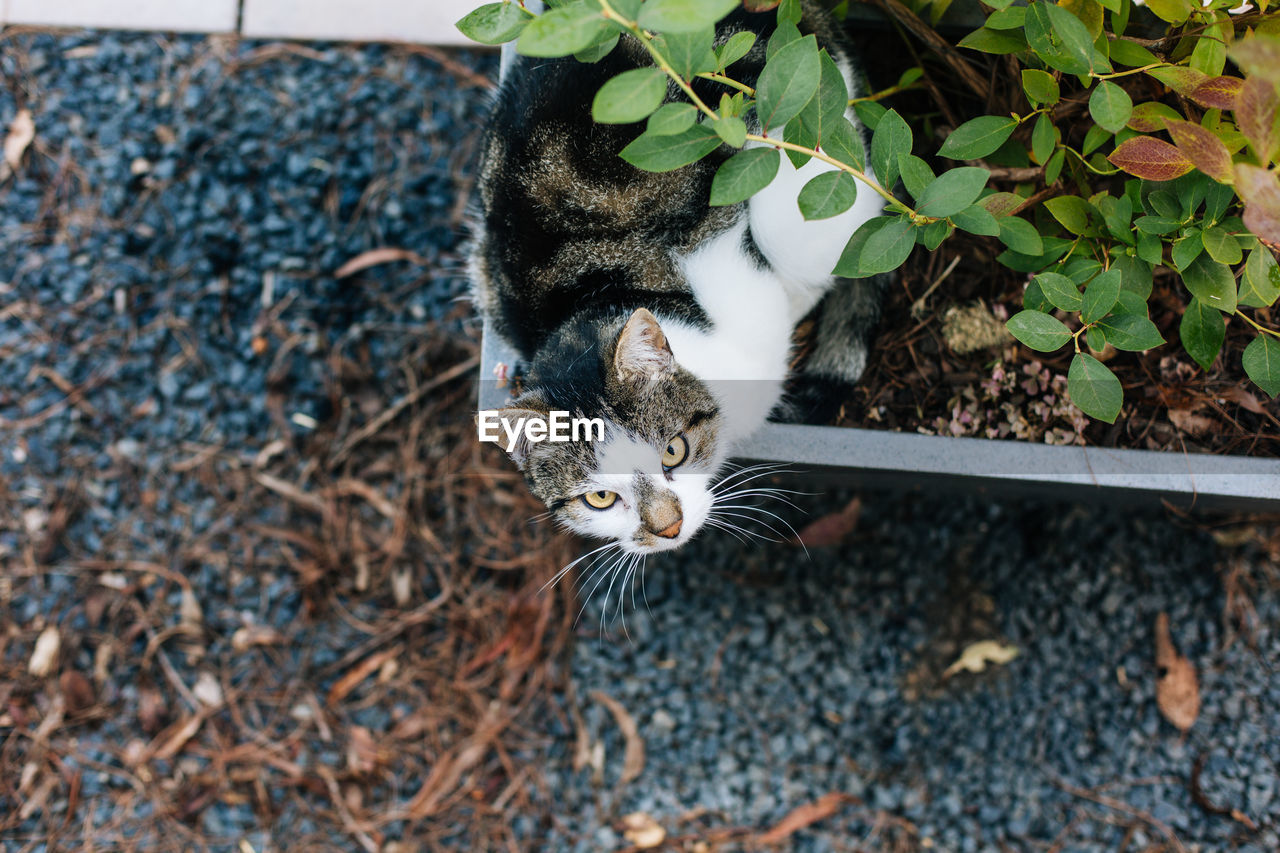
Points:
x=599, y=500
x=674, y=455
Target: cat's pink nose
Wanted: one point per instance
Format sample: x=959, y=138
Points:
x=673, y=531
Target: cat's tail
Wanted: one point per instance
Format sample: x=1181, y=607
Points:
x=824, y=382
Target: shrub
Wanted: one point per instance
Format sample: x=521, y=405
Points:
x=1150, y=154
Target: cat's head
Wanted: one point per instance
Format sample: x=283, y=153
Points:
x=642, y=475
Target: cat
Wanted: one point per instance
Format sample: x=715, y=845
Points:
x=630, y=299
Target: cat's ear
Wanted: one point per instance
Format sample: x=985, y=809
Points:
x=642, y=353
x=511, y=422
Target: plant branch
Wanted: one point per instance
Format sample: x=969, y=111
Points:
x=716, y=77
x=1258, y=326
x=857, y=173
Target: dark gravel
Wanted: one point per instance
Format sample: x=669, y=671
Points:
x=174, y=182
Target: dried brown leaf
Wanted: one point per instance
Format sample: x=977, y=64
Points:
x=1177, y=690
x=806, y=815
x=22, y=131
x=1243, y=398
x=170, y=742
x=377, y=257
x=633, y=752
x=832, y=528
x=976, y=656
x=44, y=657
x=77, y=690
x=642, y=831
x=1190, y=423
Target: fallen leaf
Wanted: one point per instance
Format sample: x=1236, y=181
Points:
x=1243, y=398
x=208, y=690
x=1177, y=690
x=45, y=655
x=171, y=741
x=362, y=752
x=633, y=752
x=77, y=690
x=1234, y=537
x=806, y=815
x=976, y=656
x=642, y=830
x=1189, y=423
x=377, y=257
x=21, y=133
x=831, y=529
x=254, y=635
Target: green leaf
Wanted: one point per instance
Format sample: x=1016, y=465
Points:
x=829, y=194
x=738, y=46
x=1135, y=277
x=1054, y=167
x=1221, y=246
x=1033, y=298
x=1173, y=11
x=630, y=96
x=1130, y=53
x=599, y=49
x=683, y=16
x=1202, y=331
x=996, y=42
x=825, y=109
x=731, y=129
x=1150, y=249
x=892, y=137
x=952, y=191
x=494, y=23
x=1060, y=291
x=1094, y=388
x=1110, y=106
x=1093, y=139
x=977, y=220
x=787, y=83
x=783, y=34
x=1100, y=296
x=888, y=248
x=1040, y=86
x=689, y=53
x=1262, y=363
x=1044, y=137
x=1150, y=116
x=1131, y=332
x=1020, y=235
x=1157, y=225
x=977, y=137
x=1059, y=38
x=664, y=153
x=932, y=235
x=916, y=174
x=743, y=175
x=1186, y=249
x=1038, y=330
x=1008, y=18
x=1211, y=283
x=1260, y=284
x=850, y=263
x=562, y=31
x=844, y=143
x=671, y=119
x=1072, y=211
